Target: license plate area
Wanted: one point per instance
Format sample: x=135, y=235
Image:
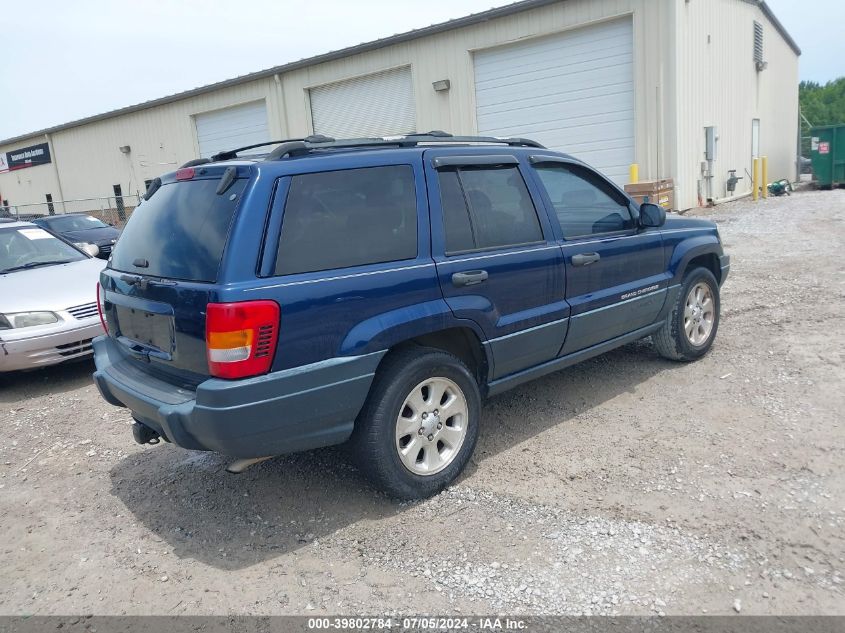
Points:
x=146, y=330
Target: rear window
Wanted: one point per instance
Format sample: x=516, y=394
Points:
x=180, y=232
x=348, y=218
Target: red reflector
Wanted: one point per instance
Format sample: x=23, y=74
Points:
x=185, y=174
x=101, y=302
x=241, y=337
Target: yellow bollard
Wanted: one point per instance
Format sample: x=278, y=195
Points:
x=765, y=161
x=755, y=180
x=634, y=174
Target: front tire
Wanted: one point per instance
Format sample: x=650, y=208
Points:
x=419, y=425
x=691, y=327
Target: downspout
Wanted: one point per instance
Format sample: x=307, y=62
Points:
x=674, y=155
x=55, y=160
x=281, y=104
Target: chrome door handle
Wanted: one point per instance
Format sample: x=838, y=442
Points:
x=585, y=259
x=469, y=278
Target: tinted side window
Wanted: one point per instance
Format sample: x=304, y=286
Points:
x=348, y=218
x=501, y=212
x=455, y=214
x=584, y=204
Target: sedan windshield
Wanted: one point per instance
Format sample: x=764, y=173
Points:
x=32, y=247
x=64, y=224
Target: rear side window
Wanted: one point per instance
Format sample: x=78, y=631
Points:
x=487, y=208
x=458, y=227
x=180, y=232
x=353, y=217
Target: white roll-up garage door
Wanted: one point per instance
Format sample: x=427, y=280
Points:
x=374, y=105
x=572, y=92
x=232, y=127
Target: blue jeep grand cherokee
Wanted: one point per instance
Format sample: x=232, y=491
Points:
x=374, y=291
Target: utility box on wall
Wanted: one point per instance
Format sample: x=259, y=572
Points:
x=660, y=192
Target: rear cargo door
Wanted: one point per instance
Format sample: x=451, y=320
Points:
x=162, y=274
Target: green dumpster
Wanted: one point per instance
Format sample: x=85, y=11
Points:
x=827, y=151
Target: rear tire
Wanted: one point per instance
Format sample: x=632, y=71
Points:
x=419, y=426
x=691, y=327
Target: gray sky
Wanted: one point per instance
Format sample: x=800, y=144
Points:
x=66, y=60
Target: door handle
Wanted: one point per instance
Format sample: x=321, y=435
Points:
x=469, y=278
x=585, y=259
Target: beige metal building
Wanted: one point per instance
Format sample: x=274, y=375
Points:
x=613, y=82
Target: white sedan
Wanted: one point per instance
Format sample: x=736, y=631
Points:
x=48, y=298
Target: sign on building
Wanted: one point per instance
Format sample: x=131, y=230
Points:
x=26, y=157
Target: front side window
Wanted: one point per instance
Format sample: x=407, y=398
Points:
x=487, y=208
x=348, y=218
x=583, y=203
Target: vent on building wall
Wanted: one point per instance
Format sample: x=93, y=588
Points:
x=758, y=47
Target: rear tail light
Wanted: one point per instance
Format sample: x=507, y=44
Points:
x=101, y=303
x=241, y=337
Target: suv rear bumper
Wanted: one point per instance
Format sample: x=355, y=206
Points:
x=283, y=412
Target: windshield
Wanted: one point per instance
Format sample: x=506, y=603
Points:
x=180, y=232
x=31, y=247
x=69, y=223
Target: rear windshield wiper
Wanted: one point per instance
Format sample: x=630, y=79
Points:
x=155, y=185
x=35, y=265
x=226, y=180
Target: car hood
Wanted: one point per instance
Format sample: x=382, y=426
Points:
x=92, y=236
x=50, y=287
x=674, y=221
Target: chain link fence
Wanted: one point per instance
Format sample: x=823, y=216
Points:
x=114, y=210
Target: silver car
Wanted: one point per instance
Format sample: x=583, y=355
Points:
x=48, y=302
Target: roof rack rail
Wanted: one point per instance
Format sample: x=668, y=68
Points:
x=233, y=153
x=194, y=162
x=303, y=146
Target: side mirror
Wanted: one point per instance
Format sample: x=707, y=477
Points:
x=92, y=249
x=652, y=215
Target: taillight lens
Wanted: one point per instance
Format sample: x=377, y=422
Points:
x=241, y=337
x=101, y=303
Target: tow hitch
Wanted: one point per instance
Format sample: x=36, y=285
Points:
x=144, y=434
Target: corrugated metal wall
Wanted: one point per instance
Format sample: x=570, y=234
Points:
x=161, y=138
x=692, y=67
x=164, y=136
x=449, y=55
x=719, y=85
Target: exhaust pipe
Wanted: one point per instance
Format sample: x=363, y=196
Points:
x=240, y=465
x=144, y=434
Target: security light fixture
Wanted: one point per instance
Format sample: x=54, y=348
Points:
x=441, y=85
x=125, y=149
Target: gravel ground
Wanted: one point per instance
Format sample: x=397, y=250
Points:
x=627, y=484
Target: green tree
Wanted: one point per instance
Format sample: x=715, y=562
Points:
x=820, y=105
